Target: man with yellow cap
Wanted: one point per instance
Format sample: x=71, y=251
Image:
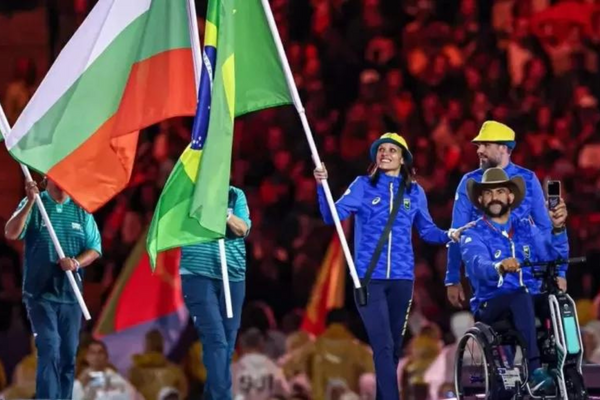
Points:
x=495, y=143
x=373, y=198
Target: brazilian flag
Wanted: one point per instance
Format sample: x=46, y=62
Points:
x=241, y=73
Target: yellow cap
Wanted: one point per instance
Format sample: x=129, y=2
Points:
x=492, y=131
x=393, y=138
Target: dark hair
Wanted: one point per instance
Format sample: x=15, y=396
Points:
x=253, y=338
x=258, y=314
x=155, y=340
x=99, y=343
x=406, y=171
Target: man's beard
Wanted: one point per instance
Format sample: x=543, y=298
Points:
x=505, y=208
x=489, y=163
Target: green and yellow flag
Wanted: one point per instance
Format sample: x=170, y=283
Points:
x=242, y=73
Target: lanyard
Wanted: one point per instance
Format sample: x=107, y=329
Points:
x=508, y=235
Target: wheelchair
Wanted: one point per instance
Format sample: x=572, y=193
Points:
x=486, y=368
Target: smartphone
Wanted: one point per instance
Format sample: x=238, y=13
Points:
x=553, y=193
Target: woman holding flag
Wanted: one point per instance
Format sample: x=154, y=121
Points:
x=388, y=194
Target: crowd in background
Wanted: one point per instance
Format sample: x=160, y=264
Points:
x=433, y=71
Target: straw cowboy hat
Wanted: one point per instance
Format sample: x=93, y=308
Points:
x=494, y=178
x=393, y=138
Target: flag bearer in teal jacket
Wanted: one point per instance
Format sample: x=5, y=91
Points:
x=52, y=307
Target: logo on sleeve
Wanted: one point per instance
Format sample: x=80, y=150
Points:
x=407, y=204
x=497, y=254
x=527, y=252
x=376, y=200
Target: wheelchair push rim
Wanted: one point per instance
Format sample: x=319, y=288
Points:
x=479, y=361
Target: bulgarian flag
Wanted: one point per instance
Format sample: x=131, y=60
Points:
x=242, y=73
x=141, y=301
x=328, y=291
x=128, y=66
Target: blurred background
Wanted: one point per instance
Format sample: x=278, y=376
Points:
x=433, y=71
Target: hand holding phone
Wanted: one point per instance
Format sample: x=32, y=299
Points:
x=553, y=194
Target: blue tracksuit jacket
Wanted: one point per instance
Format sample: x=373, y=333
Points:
x=533, y=206
x=372, y=206
x=484, y=245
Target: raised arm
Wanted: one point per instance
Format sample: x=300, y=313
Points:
x=348, y=204
x=539, y=211
x=554, y=243
x=17, y=224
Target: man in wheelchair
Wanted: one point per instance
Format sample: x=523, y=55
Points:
x=493, y=251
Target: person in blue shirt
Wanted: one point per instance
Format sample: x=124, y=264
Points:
x=370, y=198
x=203, y=293
x=494, y=249
x=51, y=305
x=495, y=143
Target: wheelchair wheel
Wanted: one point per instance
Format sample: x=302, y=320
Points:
x=473, y=368
x=575, y=386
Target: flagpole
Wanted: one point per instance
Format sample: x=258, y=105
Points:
x=197, y=56
x=5, y=128
x=195, y=41
x=311, y=142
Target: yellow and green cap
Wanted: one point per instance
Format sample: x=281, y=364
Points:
x=393, y=138
x=496, y=132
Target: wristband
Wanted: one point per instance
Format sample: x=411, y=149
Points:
x=557, y=231
x=77, y=264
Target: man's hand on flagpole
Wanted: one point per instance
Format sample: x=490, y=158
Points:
x=31, y=188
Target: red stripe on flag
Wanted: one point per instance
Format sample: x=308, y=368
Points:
x=140, y=296
x=328, y=290
x=150, y=296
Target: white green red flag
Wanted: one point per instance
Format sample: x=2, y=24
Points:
x=128, y=66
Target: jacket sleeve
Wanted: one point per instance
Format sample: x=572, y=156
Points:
x=19, y=208
x=241, y=210
x=93, y=240
x=551, y=247
x=427, y=229
x=461, y=215
x=347, y=204
x=539, y=211
x=478, y=263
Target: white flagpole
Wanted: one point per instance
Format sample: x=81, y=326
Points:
x=195, y=39
x=197, y=55
x=5, y=128
x=311, y=142
x=225, y=272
